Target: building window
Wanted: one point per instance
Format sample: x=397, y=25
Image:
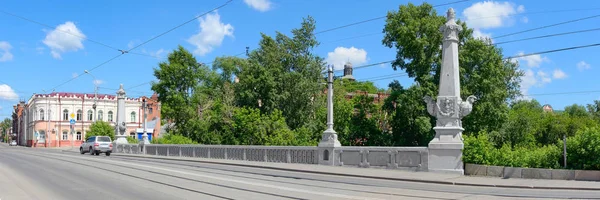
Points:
x=42, y=114
x=110, y=116
x=149, y=110
x=42, y=134
x=65, y=114
x=78, y=135
x=100, y=115
x=90, y=115
x=65, y=135
x=79, y=115
x=132, y=116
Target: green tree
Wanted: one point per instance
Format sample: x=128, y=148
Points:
x=524, y=121
x=414, y=32
x=365, y=86
x=576, y=111
x=283, y=74
x=411, y=126
x=101, y=128
x=4, y=127
x=178, y=80
x=594, y=109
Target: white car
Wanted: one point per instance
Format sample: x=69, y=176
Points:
x=97, y=145
x=13, y=143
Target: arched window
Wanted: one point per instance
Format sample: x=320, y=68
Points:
x=65, y=114
x=42, y=114
x=132, y=116
x=79, y=115
x=100, y=115
x=90, y=115
x=110, y=116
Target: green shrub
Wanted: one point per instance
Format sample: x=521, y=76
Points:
x=132, y=140
x=583, y=149
x=100, y=128
x=173, y=139
x=480, y=150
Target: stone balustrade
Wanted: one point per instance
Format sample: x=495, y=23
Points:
x=412, y=158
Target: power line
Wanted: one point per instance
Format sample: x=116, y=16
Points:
x=191, y=20
x=67, y=32
x=561, y=93
x=554, y=50
x=546, y=36
x=377, y=18
x=141, y=84
x=547, y=26
x=123, y=52
x=56, y=28
x=533, y=13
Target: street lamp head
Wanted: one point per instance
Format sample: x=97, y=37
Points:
x=86, y=71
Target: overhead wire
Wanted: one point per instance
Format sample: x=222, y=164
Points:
x=377, y=18
x=547, y=36
x=547, y=26
x=67, y=32
x=143, y=43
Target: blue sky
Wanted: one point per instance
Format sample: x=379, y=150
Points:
x=34, y=58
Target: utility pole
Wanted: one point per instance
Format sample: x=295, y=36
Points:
x=94, y=117
x=145, y=134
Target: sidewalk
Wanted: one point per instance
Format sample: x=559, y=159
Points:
x=394, y=175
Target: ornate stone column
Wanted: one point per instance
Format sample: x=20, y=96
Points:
x=445, y=150
x=329, y=139
x=121, y=127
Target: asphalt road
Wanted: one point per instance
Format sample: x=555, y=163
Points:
x=44, y=174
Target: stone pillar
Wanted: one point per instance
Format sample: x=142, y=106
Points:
x=121, y=127
x=329, y=140
x=445, y=150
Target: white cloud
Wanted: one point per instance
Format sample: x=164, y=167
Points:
x=341, y=55
x=521, y=9
x=158, y=53
x=7, y=93
x=481, y=35
x=260, y=5
x=98, y=82
x=559, y=74
x=544, y=78
x=211, y=35
x=491, y=14
x=66, y=37
x=524, y=20
x=533, y=60
x=582, y=65
x=74, y=75
x=5, y=54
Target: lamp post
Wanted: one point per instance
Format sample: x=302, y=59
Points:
x=145, y=134
x=94, y=117
x=48, y=119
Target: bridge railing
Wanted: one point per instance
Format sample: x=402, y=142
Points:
x=412, y=158
x=279, y=154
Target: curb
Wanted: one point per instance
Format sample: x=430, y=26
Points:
x=364, y=176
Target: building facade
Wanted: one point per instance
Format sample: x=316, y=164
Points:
x=44, y=120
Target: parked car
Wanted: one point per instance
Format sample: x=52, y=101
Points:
x=13, y=143
x=97, y=145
